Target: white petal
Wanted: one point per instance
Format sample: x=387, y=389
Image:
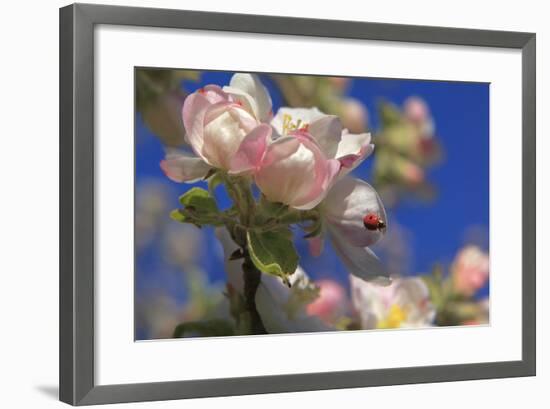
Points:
x=223, y=136
x=327, y=131
x=413, y=295
x=181, y=167
x=367, y=302
x=272, y=296
x=353, y=149
x=360, y=261
x=248, y=89
x=345, y=206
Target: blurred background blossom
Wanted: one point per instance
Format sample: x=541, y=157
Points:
x=430, y=165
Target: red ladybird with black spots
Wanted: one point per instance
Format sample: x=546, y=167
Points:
x=373, y=222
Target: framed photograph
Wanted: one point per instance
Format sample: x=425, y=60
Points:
x=255, y=204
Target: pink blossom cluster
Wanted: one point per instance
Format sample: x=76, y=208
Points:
x=299, y=157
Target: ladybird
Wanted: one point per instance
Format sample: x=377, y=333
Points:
x=373, y=222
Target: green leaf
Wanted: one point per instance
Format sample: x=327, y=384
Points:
x=200, y=208
x=272, y=252
x=284, y=231
x=178, y=216
x=210, y=328
x=199, y=200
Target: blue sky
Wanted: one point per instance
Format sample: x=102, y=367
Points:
x=436, y=230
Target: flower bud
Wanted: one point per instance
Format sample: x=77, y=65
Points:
x=331, y=302
x=416, y=110
x=340, y=83
x=470, y=270
x=411, y=173
x=215, y=126
x=218, y=120
x=354, y=115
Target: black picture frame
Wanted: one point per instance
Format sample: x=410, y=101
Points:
x=77, y=385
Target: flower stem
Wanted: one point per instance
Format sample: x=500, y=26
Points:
x=295, y=216
x=240, y=193
x=252, y=278
x=245, y=193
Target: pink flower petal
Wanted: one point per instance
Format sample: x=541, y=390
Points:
x=416, y=109
x=293, y=171
x=193, y=113
x=320, y=191
x=252, y=150
x=324, y=170
x=280, y=149
x=214, y=94
x=331, y=303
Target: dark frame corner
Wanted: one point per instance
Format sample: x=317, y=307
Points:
x=76, y=29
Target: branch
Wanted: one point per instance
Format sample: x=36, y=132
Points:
x=252, y=277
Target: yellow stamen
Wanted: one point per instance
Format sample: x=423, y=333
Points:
x=395, y=317
x=290, y=126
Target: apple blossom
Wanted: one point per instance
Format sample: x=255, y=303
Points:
x=215, y=126
x=335, y=141
x=217, y=121
x=274, y=301
x=295, y=171
x=470, y=270
x=300, y=158
x=403, y=304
